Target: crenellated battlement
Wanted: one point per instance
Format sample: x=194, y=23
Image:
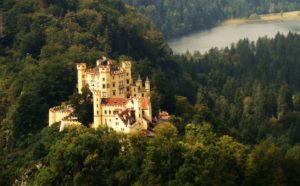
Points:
x=61, y=109
x=97, y=93
x=81, y=66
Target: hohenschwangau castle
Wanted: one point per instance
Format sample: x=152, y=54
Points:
x=118, y=102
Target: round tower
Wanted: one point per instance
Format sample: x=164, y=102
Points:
x=137, y=105
x=81, y=68
x=147, y=87
x=97, y=108
x=52, y=119
x=139, y=84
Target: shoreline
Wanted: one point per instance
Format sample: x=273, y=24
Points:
x=284, y=16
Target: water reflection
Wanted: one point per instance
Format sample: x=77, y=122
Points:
x=223, y=36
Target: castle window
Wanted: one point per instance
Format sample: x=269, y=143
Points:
x=107, y=85
x=82, y=76
x=114, y=84
x=105, y=112
x=127, y=88
x=104, y=94
x=114, y=92
x=127, y=74
x=109, y=112
x=117, y=123
x=97, y=112
x=103, y=79
x=97, y=105
x=142, y=95
x=127, y=81
x=103, y=86
x=117, y=118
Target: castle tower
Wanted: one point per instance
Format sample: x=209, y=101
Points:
x=52, y=118
x=139, y=84
x=150, y=108
x=97, y=108
x=105, y=79
x=81, y=68
x=147, y=87
x=126, y=65
x=137, y=104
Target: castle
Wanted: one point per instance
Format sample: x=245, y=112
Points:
x=118, y=102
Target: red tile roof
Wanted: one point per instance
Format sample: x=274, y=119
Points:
x=92, y=71
x=115, y=101
x=145, y=103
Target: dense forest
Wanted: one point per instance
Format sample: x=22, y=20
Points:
x=178, y=17
x=236, y=111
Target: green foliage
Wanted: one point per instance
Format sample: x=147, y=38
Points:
x=23, y=122
x=264, y=157
x=83, y=106
x=199, y=157
x=242, y=90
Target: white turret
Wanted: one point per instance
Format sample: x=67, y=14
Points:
x=139, y=84
x=81, y=68
x=137, y=104
x=147, y=87
x=97, y=108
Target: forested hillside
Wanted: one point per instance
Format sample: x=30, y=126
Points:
x=252, y=88
x=178, y=17
x=43, y=40
x=236, y=111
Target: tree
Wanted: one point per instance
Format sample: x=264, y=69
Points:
x=83, y=106
x=163, y=155
x=285, y=101
x=29, y=115
x=263, y=163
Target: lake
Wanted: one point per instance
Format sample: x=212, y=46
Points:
x=223, y=36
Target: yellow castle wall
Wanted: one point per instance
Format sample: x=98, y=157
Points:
x=55, y=117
